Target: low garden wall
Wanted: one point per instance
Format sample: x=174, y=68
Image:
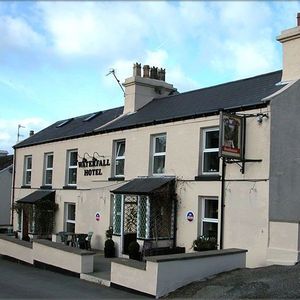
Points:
x=15, y=248
x=64, y=257
x=47, y=253
x=162, y=274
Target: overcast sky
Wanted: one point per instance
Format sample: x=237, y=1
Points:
x=54, y=55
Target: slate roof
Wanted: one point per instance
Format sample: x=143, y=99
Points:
x=76, y=127
x=236, y=95
x=6, y=161
x=143, y=185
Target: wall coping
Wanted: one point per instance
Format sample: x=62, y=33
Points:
x=14, y=240
x=130, y=263
x=63, y=247
x=194, y=255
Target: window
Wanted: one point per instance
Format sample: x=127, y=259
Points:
x=210, y=157
x=48, y=169
x=27, y=170
x=209, y=217
x=72, y=167
x=119, y=158
x=70, y=209
x=159, y=154
x=117, y=211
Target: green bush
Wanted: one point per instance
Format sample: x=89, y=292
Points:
x=134, y=250
x=204, y=243
x=109, y=248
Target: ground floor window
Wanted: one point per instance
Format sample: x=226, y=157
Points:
x=209, y=217
x=117, y=210
x=70, y=217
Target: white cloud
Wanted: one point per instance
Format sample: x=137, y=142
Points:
x=9, y=130
x=16, y=32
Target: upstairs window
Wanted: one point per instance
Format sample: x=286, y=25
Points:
x=48, y=169
x=72, y=167
x=210, y=155
x=119, y=158
x=27, y=170
x=159, y=154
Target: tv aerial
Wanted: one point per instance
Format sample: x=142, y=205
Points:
x=112, y=71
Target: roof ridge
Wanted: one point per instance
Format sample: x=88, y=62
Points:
x=217, y=85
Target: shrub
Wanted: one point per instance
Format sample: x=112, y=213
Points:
x=109, y=248
x=204, y=243
x=134, y=250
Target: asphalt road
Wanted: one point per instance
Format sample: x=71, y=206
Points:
x=23, y=282
x=273, y=282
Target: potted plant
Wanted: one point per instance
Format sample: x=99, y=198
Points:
x=134, y=250
x=109, y=248
x=205, y=243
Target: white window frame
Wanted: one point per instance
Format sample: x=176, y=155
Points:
x=27, y=170
x=208, y=150
x=118, y=158
x=67, y=220
x=71, y=167
x=155, y=154
x=46, y=168
x=208, y=220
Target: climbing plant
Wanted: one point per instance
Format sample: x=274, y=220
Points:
x=41, y=214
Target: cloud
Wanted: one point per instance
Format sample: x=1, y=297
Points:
x=9, y=130
x=17, y=33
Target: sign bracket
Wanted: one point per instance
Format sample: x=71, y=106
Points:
x=241, y=163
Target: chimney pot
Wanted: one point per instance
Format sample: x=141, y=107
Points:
x=31, y=133
x=146, y=70
x=298, y=19
x=136, y=69
x=153, y=73
x=161, y=74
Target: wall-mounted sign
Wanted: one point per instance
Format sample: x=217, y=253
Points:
x=92, y=165
x=231, y=136
x=190, y=216
x=97, y=216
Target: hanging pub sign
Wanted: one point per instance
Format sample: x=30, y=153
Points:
x=231, y=136
x=91, y=167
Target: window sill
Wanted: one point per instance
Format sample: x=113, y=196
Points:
x=208, y=178
x=46, y=187
x=26, y=187
x=69, y=187
x=116, y=179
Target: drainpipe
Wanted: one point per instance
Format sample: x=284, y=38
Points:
x=222, y=202
x=13, y=188
x=175, y=221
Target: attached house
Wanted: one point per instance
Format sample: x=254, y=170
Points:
x=6, y=169
x=156, y=169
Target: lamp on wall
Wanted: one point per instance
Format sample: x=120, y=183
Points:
x=260, y=117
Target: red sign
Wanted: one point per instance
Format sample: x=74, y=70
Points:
x=190, y=216
x=97, y=216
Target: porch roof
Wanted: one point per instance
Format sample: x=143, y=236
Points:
x=36, y=196
x=143, y=185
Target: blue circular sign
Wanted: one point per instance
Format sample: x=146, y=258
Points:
x=190, y=216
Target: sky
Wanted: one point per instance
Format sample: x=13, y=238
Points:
x=54, y=56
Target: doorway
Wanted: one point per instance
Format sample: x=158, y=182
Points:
x=130, y=221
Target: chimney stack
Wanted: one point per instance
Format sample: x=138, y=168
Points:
x=141, y=90
x=290, y=40
x=31, y=133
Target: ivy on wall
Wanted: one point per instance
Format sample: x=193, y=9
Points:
x=41, y=214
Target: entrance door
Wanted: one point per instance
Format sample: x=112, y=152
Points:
x=130, y=221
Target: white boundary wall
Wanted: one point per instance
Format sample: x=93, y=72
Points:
x=164, y=274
